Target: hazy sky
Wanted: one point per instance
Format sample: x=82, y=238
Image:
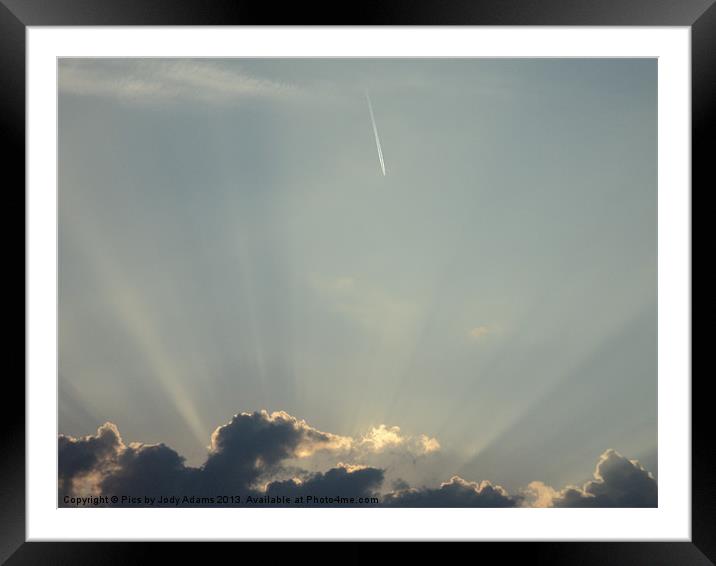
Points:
x=229, y=243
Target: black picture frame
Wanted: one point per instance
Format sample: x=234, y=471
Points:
x=16, y=15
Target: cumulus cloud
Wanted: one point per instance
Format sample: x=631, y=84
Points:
x=618, y=482
x=454, y=493
x=249, y=447
x=165, y=80
x=83, y=461
x=342, y=481
x=150, y=470
x=250, y=456
x=255, y=443
x=539, y=494
x=383, y=437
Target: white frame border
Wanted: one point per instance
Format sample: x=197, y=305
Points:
x=670, y=521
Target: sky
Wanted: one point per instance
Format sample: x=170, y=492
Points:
x=229, y=243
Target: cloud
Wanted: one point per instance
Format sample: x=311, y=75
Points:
x=83, y=454
x=382, y=447
x=165, y=80
x=454, y=493
x=254, y=454
x=248, y=447
x=342, y=481
x=382, y=438
x=253, y=444
x=150, y=470
x=618, y=482
x=84, y=460
x=479, y=332
x=539, y=494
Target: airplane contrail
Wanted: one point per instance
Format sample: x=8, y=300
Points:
x=375, y=131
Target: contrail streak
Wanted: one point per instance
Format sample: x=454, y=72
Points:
x=375, y=131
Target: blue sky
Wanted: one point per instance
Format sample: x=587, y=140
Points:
x=228, y=243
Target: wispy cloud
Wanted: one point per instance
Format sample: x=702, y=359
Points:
x=479, y=332
x=146, y=81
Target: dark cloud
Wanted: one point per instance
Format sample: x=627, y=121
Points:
x=151, y=470
x=342, y=481
x=253, y=444
x=88, y=455
x=249, y=456
x=618, y=482
x=455, y=493
x=249, y=447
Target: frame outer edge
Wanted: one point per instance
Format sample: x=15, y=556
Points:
x=70, y=12
x=12, y=416
x=365, y=12
x=703, y=115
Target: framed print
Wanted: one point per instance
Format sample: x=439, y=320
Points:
x=420, y=275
